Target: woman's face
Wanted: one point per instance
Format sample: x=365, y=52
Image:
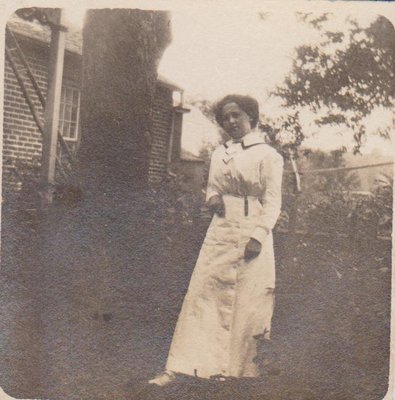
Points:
x=235, y=121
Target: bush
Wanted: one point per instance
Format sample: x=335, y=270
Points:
x=331, y=203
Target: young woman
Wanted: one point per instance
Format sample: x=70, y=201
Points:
x=230, y=296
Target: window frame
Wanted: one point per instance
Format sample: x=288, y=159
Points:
x=62, y=110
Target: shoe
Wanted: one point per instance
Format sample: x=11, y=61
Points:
x=164, y=379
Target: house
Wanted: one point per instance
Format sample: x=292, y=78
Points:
x=22, y=139
x=199, y=138
x=193, y=171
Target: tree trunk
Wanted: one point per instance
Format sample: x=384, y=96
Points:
x=121, y=52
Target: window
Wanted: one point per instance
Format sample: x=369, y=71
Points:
x=69, y=112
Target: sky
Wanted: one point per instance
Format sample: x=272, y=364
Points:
x=231, y=49
x=215, y=52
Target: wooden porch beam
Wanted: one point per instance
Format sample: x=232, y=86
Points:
x=51, y=116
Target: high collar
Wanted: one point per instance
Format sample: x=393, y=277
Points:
x=251, y=139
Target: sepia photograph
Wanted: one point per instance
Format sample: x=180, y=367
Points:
x=197, y=200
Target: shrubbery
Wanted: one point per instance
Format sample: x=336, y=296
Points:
x=331, y=203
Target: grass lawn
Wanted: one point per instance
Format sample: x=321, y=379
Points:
x=90, y=295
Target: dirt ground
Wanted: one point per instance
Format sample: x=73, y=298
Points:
x=90, y=295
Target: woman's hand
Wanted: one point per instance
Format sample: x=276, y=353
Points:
x=216, y=205
x=252, y=250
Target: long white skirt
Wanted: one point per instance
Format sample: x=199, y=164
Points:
x=229, y=300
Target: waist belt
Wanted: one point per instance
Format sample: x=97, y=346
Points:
x=242, y=206
x=246, y=206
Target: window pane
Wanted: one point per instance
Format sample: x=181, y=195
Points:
x=67, y=114
x=69, y=95
x=66, y=129
x=73, y=127
x=61, y=111
x=75, y=97
x=74, y=114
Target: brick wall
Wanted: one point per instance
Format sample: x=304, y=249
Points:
x=22, y=139
x=161, y=128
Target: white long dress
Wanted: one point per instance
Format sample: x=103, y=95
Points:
x=229, y=300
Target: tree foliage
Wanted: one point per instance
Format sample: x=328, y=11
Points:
x=342, y=79
x=345, y=76
x=205, y=106
x=285, y=132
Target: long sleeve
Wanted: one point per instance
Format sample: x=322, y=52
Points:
x=212, y=185
x=271, y=170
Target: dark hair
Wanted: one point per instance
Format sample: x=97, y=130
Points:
x=247, y=103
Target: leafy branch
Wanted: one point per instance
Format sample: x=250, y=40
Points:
x=344, y=77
